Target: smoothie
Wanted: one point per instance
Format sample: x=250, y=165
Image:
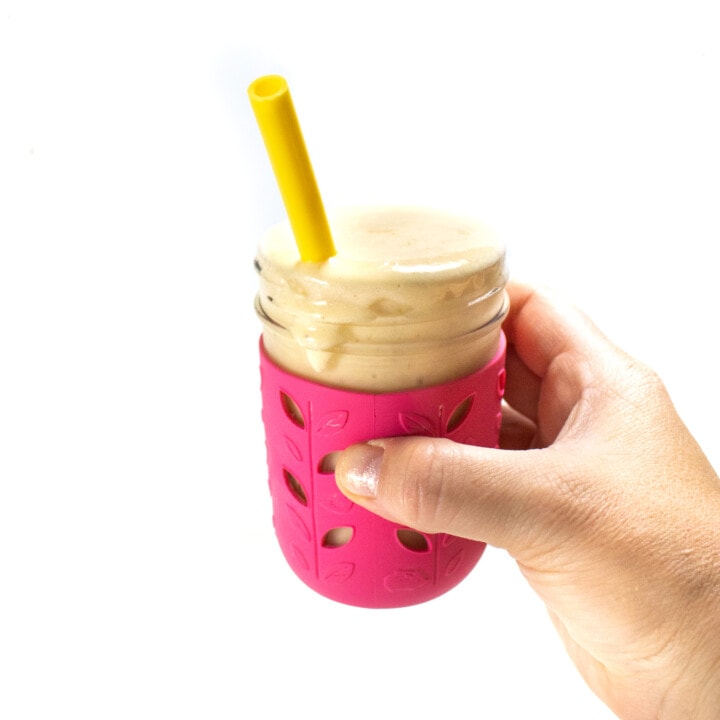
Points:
x=414, y=297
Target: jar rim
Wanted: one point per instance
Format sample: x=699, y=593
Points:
x=496, y=319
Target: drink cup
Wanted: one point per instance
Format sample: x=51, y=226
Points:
x=399, y=333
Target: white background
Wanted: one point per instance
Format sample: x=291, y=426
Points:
x=139, y=576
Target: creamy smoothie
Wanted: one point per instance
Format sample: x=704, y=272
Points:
x=414, y=297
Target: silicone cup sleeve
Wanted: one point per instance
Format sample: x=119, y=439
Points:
x=337, y=548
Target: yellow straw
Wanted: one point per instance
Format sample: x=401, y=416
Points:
x=275, y=115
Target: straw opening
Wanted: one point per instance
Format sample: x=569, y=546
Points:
x=267, y=87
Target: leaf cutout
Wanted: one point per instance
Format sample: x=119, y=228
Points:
x=295, y=487
x=333, y=422
x=292, y=410
x=412, y=540
x=337, y=537
x=460, y=414
x=416, y=424
x=327, y=463
x=340, y=573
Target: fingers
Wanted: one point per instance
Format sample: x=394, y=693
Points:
x=517, y=431
x=500, y=497
x=436, y=485
x=553, y=357
x=522, y=386
x=541, y=327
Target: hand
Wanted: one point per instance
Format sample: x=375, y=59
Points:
x=602, y=496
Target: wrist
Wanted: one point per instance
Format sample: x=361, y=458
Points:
x=696, y=695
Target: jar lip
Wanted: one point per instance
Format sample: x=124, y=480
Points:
x=501, y=313
x=495, y=319
x=260, y=312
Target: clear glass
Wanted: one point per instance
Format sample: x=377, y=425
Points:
x=414, y=298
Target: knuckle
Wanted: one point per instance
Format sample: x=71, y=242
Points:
x=427, y=467
x=579, y=501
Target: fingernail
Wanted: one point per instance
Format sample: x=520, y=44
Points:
x=359, y=469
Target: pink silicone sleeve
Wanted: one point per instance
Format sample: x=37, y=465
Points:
x=305, y=422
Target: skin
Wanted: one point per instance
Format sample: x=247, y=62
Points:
x=601, y=495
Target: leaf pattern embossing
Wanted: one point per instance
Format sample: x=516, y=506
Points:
x=340, y=573
x=299, y=557
x=294, y=449
x=332, y=422
x=454, y=563
x=337, y=503
x=417, y=424
x=406, y=580
x=299, y=523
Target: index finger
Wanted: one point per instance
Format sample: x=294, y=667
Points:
x=550, y=349
x=542, y=326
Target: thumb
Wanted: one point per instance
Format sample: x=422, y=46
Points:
x=509, y=499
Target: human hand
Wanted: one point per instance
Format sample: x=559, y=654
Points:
x=601, y=495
